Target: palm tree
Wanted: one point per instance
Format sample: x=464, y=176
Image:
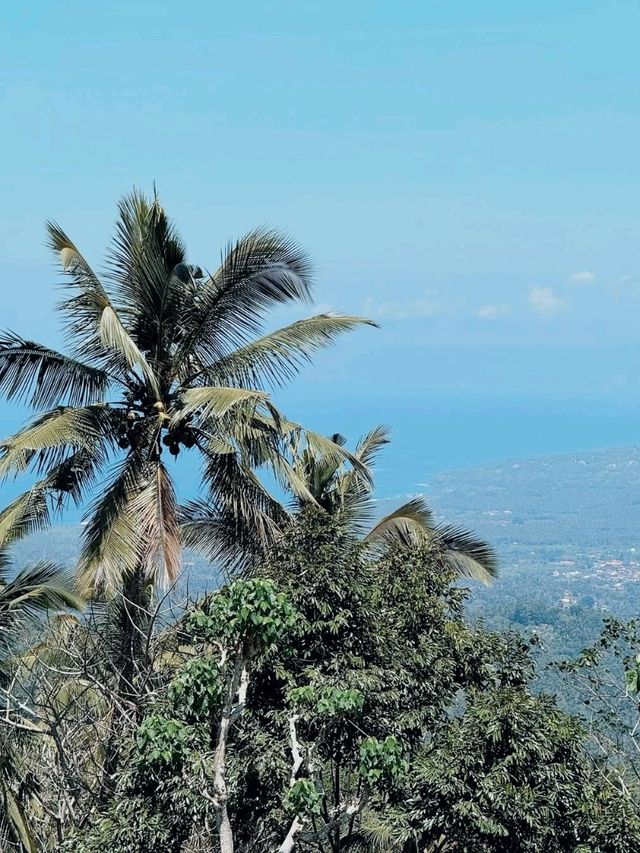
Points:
x=24, y=598
x=165, y=358
x=346, y=493
x=30, y=592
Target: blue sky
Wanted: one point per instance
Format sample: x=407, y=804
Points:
x=466, y=173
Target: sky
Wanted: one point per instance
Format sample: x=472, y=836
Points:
x=464, y=173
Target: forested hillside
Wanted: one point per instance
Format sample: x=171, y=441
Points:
x=567, y=531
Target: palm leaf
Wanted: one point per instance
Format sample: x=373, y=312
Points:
x=407, y=526
x=323, y=447
x=143, y=256
x=467, y=555
x=111, y=542
x=82, y=310
x=32, y=510
x=156, y=517
x=355, y=491
x=76, y=474
x=227, y=539
x=27, y=513
x=43, y=377
x=278, y=356
x=251, y=516
x=114, y=336
x=293, y=480
x=50, y=436
x=39, y=588
x=92, y=321
x=214, y=402
x=261, y=270
x=370, y=445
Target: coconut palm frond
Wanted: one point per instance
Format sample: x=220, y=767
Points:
x=408, y=525
x=47, y=441
x=111, y=542
x=222, y=538
x=257, y=432
x=155, y=512
x=114, y=336
x=346, y=494
x=82, y=310
x=293, y=480
x=372, y=443
x=323, y=447
x=92, y=321
x=76, y=474
x=467, y=555
x=144, y=253
x=278, y=357
x=71, y=260
x=37, y=588
x=249, y=511
x=214, y=402
x=355, y=491
x=29, y=512
x=263, y=269
x=42, y=377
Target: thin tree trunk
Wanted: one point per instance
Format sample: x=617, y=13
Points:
x=235, y=702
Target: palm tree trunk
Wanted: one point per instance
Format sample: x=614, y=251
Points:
x=130, y=623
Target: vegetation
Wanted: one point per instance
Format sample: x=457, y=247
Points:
x=331, y=695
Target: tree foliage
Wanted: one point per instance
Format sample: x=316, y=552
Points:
x=375, y=718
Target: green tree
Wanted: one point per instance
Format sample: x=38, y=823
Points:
x=511, y=776
x=377, y=720
x=603, y=684
x=178, y=754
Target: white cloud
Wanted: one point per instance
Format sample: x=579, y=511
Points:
x=583, y=277
x=492, y=312
x=393, y=309
x=544, y=301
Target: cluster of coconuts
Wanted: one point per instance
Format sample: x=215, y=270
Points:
x=129, y=430
x=182, y=434
x=140, y=398
x=131, y=427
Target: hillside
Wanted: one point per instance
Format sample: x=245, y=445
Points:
x=567, y=531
